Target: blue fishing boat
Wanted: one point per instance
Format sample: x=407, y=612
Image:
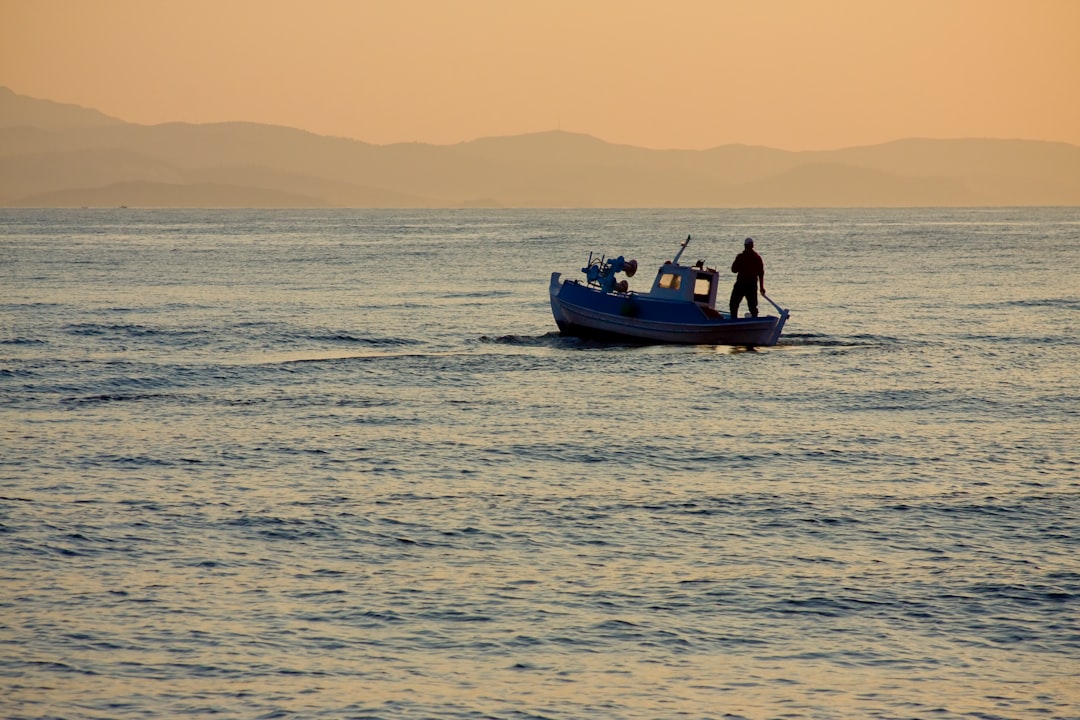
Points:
x=680, y=307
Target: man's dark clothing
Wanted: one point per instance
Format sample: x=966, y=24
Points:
x=749, y=266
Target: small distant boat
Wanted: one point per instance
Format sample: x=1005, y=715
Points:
x=680, y=308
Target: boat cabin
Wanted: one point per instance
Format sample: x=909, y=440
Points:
x=695, y=283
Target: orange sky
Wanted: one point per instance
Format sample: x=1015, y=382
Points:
x=792, y=74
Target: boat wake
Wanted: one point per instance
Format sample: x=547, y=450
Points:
x=809, y=340
x=550, y=339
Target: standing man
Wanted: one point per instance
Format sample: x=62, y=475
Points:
x=751, y=274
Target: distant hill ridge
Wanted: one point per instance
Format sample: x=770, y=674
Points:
x=55, y=155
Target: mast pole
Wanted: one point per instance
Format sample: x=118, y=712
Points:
x=681, y=248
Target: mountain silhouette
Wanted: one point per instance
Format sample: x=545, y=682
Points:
x=57, y=155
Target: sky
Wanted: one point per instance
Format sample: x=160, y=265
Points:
x=691, y=74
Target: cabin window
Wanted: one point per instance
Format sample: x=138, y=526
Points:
x=702, y=288
x=669, y=281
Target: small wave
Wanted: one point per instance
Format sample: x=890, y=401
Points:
x=110, y=459
x=1049, y=340
x=112, y=397
x=1030, y=595
x=350, y=339
x=17, y=373
x=284, y=528
x=135, y=332
x=557, y=340
x=257, y=324
x=819, y=340
x=551, y=339
x=22, y=341
x=343, y=356
x=94, y=329
x=478, y=294
x=59, y=667
x=29, y=305
x=1054, y=303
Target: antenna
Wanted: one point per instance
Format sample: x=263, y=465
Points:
x=681, y=248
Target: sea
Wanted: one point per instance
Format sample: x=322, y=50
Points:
x=341, y=464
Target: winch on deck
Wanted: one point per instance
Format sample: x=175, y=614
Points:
x=601, y=272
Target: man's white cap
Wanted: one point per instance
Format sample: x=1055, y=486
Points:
x=748, y=241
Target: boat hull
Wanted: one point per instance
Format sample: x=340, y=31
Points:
x=584, y=311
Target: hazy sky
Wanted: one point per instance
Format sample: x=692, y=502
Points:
x=792, y=74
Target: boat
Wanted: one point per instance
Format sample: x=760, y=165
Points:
x=680, y=308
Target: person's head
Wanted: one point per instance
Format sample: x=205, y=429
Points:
x=748, y=243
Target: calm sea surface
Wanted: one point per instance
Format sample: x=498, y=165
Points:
x=339, y=464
